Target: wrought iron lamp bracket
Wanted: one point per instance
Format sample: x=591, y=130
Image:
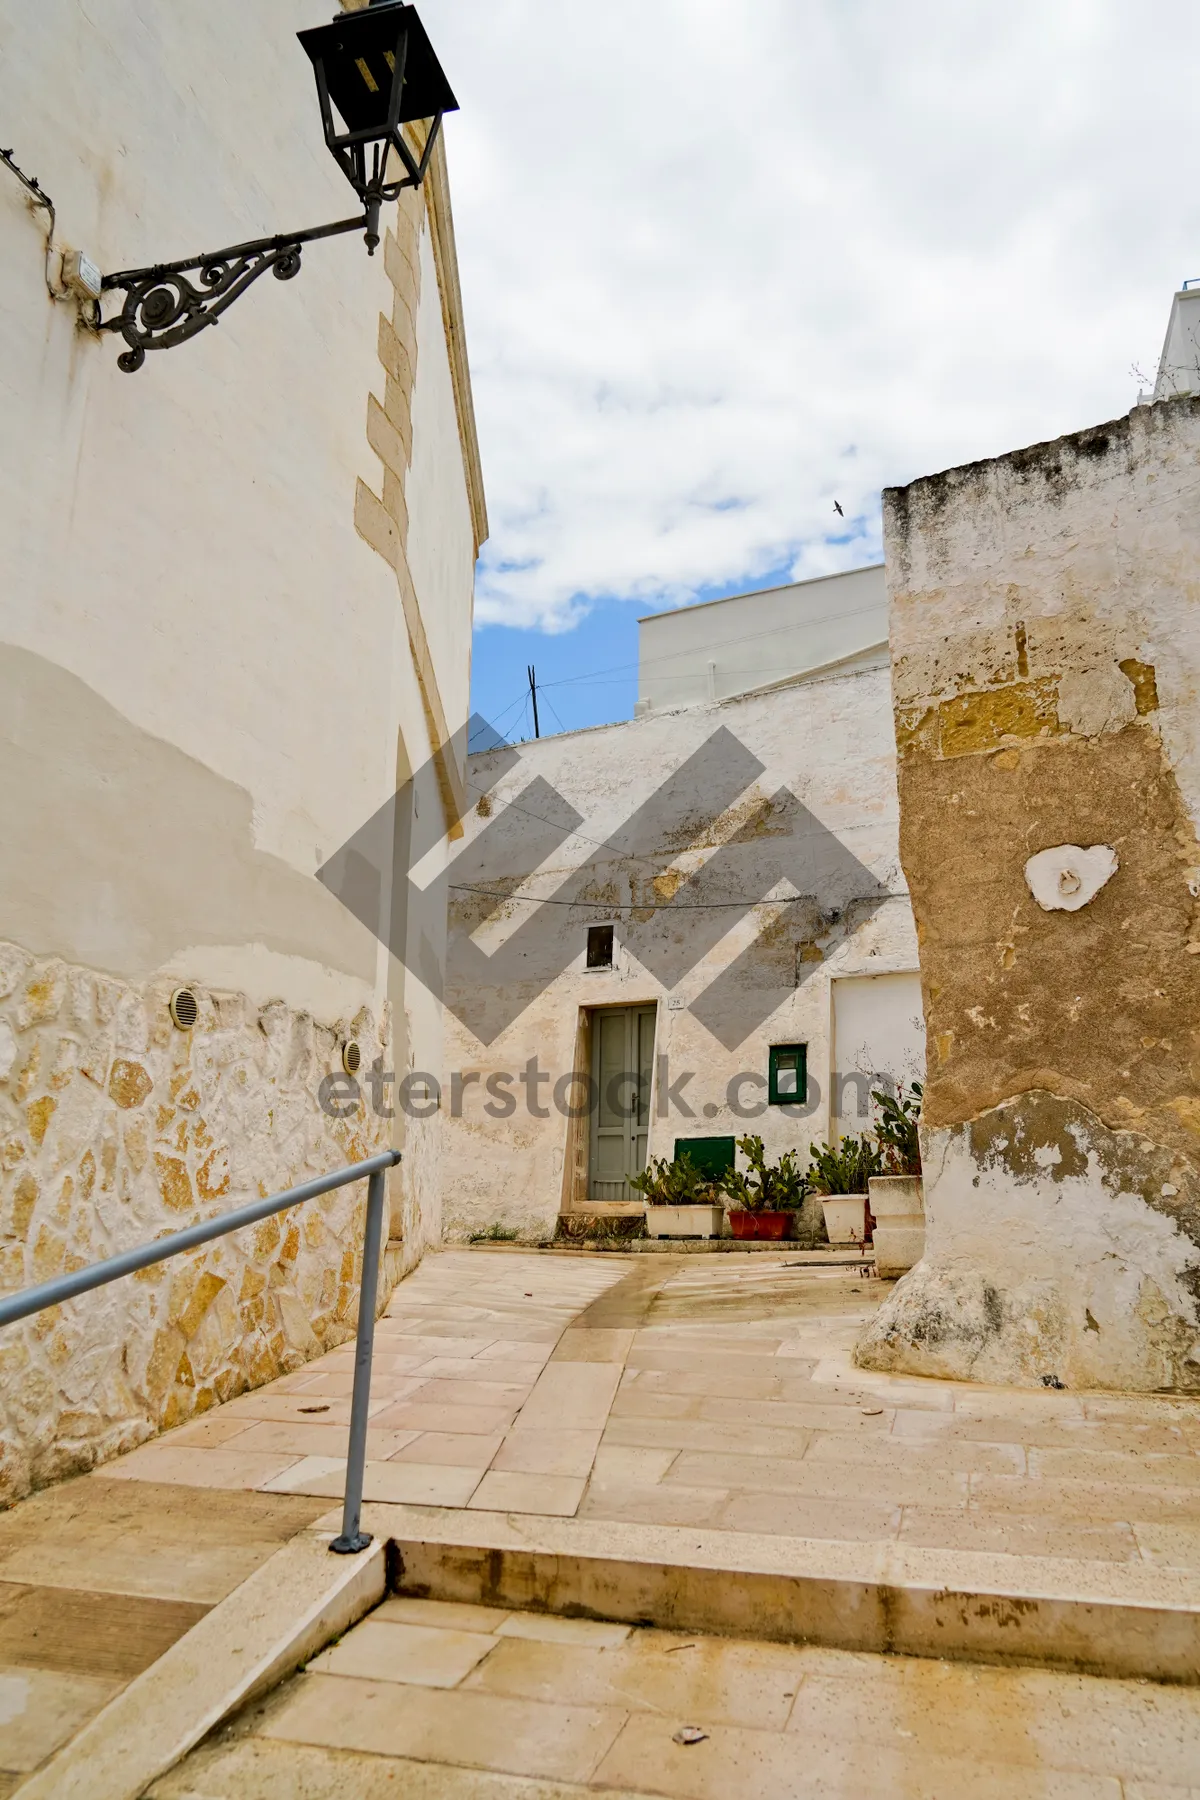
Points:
x=164, y=308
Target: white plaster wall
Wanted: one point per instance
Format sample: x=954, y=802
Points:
x=1179, y=365
x=727, y=647
x=182, y=539
x=830, y=741
x=878, y=1027
x=206, y=680
x=1084, y=1239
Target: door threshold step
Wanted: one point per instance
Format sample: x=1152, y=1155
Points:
x=1125, y=1620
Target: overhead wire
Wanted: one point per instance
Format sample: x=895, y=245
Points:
x=651, y=906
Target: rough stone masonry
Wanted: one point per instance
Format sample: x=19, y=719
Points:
x=1045, y=625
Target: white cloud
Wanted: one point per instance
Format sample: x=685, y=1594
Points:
x=726, y=263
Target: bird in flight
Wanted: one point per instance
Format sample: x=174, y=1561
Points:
x=837, y=507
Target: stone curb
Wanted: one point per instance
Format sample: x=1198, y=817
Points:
x=1120, y=1620
x=298, y=1601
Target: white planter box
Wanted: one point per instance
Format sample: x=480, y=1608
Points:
x=685, y=1221
x=845, y=1217
x=898, y=1248
x=895, y=1197
x=898, y=1203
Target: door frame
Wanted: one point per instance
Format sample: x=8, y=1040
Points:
x=633, y=1009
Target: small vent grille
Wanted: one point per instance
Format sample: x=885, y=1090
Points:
x=185, y=1008
x=351, y=1058
x=600, y=947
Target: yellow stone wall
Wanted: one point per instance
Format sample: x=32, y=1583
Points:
x=116, y=1128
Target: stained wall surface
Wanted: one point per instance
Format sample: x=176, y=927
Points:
x=674, y=827
x=1046, y=649
x=213, y=668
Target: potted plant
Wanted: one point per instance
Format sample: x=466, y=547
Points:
x=681, y=1201
x=840, y=1174
x=764, y=1198
x=897, y=1195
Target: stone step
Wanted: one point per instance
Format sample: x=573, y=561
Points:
x=1115, y=1619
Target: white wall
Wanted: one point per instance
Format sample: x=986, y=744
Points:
x=207, y=685
x=827, y=740
x=181, y=540
x=721, y=648
x=878, y=1027
x=1179, y=365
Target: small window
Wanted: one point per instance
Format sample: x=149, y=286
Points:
x=600, y=947
x=787, y=1074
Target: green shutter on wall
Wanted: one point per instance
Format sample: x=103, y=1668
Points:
x=711, y=1155
x=787, y=1074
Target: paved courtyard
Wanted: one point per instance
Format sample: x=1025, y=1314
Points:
x=715, y=1394
x=701, y=1391
x=442, y=1702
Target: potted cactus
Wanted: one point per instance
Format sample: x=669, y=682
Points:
x=841, y=1174
x=681, y=1200
x=897, y=1194
x=763, y=1198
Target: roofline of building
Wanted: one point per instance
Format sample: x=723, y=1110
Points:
x=828, y=671
x=672, y=612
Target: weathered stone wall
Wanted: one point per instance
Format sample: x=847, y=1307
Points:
x=115, y=1128
x=1045, y=613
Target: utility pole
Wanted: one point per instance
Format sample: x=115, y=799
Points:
x=532, y=673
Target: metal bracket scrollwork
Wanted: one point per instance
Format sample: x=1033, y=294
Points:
x=164, y=308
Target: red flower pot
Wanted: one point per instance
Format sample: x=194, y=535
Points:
x=760, y=1224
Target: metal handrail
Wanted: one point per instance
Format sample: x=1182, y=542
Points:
x=374, y=1170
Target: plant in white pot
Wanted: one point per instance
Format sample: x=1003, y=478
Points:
x=897, y=1193
x=840, y=1174
x=681, y=1201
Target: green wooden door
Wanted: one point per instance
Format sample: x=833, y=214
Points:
x=622, y=1063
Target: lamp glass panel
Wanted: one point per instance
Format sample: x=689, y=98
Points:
x=359, y=52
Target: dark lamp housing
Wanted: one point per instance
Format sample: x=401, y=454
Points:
x=378, y=69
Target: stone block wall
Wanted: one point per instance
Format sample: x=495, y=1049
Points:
x=116, y=1128
x=1045, y=619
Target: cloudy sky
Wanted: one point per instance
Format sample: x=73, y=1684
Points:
x=724, y=264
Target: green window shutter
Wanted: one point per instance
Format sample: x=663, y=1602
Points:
x=787, y=1074
x=711, y=1155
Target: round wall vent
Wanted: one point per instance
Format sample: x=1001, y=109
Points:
x=351, y=1058
x=185, y=1008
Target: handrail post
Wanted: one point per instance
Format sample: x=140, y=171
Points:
x=353, y=1538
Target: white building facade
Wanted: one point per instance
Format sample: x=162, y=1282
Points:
x=730, y=869
x=236, y=617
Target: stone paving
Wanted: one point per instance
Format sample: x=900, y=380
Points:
x=98, y=1579
x=714, y=1393
x=447, y=1702
x=666, y=1391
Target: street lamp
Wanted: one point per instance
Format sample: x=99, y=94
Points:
x=375, y=70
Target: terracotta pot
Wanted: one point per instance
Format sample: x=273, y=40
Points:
x=760, y=1224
